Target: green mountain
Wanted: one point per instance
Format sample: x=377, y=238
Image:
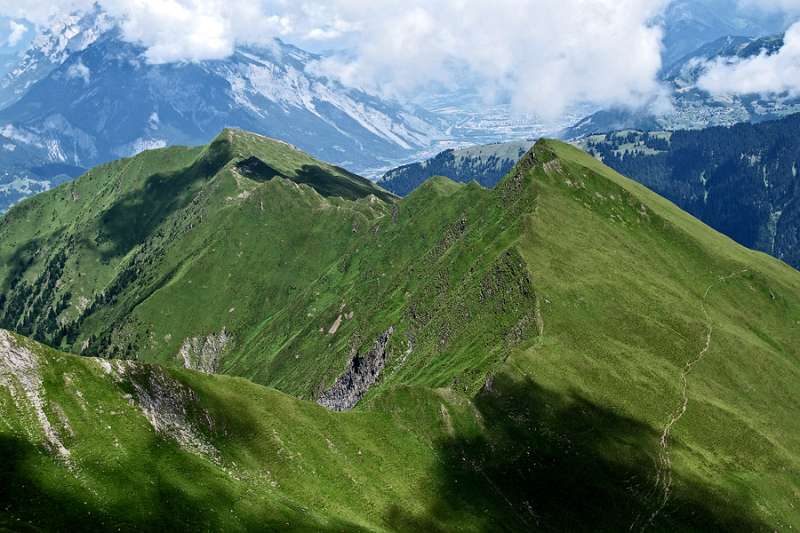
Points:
x=565, y=351
x=83, y=263
x=740, y=180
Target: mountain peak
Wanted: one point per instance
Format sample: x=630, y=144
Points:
x=239, y=137
x=262, y=158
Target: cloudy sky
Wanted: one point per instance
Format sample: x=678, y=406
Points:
x=545, y=55
x=775, y=74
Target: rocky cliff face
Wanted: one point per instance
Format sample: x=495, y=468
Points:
x=203, y=353
x=20, y=376
x=362, y=372
x=171, y=408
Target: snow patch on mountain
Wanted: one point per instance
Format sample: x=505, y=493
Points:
x=50, y=49
x=9, y=131
x=54, y=151
x=79, y=70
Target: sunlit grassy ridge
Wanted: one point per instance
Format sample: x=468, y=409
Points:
x=541, y=331
x=126, y=232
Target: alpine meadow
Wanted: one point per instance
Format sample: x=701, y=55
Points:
x=240, y=336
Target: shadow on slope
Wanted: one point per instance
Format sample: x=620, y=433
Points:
x=18, y=263
x=256, y=169
x=563, y=463
x=138, y=213
x=343, y=184
x=165, y=492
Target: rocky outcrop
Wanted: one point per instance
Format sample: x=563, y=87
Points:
x=203, y=353
x=362, y=372
x=335, y=326
x=20, y=375
x=453, y=234
x=512, y=185
x=172, y=408
x=168, y=405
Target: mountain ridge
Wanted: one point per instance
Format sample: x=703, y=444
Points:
x=738, y=179
x=516, y=353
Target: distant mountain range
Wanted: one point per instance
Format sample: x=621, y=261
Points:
x=105, y=102
x=26, y=170
x=690, y=24
x=82, y=96
x=50, y=49
x=692, y=107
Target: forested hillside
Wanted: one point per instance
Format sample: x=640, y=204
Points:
x=740, y=180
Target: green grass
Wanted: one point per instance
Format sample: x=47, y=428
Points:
x=281, y=462
x=540, y=333
x=126, y=233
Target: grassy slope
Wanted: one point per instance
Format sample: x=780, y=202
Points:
x=580, y=292
x=280, y=463
x=441, y=271
x=625, y=313
x=128, y=230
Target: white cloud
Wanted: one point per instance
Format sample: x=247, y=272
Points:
x=16, y=32
x=79, y=71
x=776, y=74
x=175, y=30
x=40, y=12
x=195, y=29
x=172, y=30
x=544, y=55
